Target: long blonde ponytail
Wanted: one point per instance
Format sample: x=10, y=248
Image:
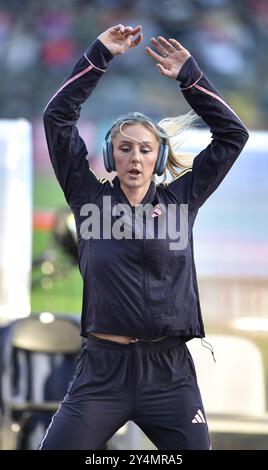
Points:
x=174, y=126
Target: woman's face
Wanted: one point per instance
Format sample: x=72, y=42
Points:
x=135, y=155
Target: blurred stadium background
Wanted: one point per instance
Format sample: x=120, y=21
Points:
x=39, y=44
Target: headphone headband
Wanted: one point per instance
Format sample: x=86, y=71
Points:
x=133, y=117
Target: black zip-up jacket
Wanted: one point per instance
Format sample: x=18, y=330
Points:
x=139, y=287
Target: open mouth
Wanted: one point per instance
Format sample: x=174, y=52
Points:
x=134, y=172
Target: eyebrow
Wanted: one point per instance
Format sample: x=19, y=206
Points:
x=145, y=142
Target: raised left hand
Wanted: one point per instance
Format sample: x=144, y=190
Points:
x=170, y=57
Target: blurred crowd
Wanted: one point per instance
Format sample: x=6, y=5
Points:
x=41, y=40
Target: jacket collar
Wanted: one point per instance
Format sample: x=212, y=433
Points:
x=121, y=197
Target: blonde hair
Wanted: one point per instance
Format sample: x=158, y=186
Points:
x=174, y=126
x=170, y=129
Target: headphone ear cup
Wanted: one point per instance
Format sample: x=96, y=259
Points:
x=105, y=157
x=161, y=159
x=108, y=155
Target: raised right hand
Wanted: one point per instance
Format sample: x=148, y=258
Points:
x=119, y=38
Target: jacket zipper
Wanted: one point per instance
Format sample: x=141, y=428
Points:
x=144, y=289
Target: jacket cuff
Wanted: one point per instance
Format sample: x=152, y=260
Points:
x=189, y=74
x=98, y=55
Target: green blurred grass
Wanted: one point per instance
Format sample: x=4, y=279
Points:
x=47, y=193
x=55, y=293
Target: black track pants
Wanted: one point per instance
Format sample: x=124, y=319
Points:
x=151, y=383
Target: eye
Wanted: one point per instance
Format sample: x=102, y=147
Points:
x=124, y=149
x=145, y=150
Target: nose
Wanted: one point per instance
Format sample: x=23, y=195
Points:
x=135, y=155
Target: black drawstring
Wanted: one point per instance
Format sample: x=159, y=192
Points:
x=210, y=347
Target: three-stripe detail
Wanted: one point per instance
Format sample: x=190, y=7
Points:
x=199, y=418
